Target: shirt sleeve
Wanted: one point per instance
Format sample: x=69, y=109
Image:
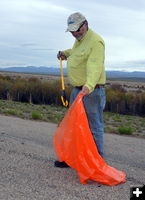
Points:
x=95, y=65
x=67, y=52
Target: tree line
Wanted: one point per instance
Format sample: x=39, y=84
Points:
x=118, y=100
x=36, y=91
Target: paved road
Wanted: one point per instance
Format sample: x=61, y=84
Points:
x=27, y=171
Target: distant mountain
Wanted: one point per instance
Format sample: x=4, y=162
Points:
x=117, y=74
x=126, y=76
x=32, y=69
x=136, y=75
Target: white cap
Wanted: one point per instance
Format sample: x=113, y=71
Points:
x=74, y=21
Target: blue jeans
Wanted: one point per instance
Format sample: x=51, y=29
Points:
x=94, y=104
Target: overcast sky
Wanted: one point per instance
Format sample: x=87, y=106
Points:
x=33, y=31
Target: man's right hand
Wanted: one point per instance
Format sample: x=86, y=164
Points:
x=61, y=55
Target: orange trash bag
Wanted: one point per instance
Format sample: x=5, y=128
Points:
x=74, y=144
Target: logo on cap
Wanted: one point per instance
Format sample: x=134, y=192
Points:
x=71, y=22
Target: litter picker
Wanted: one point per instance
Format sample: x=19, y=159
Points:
x=63, y=94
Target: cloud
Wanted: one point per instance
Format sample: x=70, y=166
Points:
x=43, y=49
x=121, y=49
x=32, y=31
x=28, y=44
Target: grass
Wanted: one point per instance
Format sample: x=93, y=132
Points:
x=114, y=123
x=10, y=112
x=125, y=130
x=36, y=115
x=124, y=124
x=32, y=111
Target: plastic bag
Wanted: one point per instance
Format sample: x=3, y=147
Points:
x=74, y=144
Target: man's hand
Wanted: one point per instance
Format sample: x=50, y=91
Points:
x=61, y=55
x=85, y=90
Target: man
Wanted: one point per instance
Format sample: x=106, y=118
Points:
x=86, y=72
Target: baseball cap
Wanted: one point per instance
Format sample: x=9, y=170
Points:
x=74, y=21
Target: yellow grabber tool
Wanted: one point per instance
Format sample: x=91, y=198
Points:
x=63, y=94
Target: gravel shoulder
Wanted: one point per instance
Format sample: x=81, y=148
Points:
x=27, y=170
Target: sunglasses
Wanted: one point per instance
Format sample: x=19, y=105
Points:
x=80, y=27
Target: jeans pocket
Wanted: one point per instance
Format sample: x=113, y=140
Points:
x=95, y=101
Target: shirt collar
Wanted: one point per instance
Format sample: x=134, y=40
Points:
x=85, y=36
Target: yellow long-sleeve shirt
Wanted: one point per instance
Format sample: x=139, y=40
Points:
x=85, y=61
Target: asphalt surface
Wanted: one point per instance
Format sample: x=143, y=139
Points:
x=27, y=169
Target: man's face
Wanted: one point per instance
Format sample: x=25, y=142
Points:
x=79, y=34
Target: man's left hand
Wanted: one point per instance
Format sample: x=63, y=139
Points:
x=85, y=90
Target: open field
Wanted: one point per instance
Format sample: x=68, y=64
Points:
x=128, y=85
x=43, y=77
